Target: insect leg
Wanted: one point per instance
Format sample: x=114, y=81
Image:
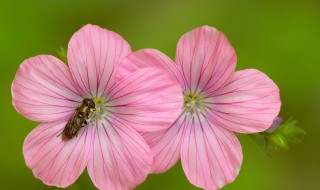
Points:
x=60, y=134
x=84, y=123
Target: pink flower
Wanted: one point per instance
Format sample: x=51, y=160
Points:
x=116, y=156
x=217, y=102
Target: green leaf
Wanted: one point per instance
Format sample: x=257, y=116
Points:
x=259, y=140
x=291, y=131
x=277, y=141
x=62, y=55
x=294, y=140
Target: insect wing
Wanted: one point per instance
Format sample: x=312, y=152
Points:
x=72, y=127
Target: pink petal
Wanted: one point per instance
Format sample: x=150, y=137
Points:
x=93, y=56
x=148, y=58
x=120, y=159
x=147, y=100
x=247, y=104
x=43, y=89
x=206, y=58
x=53, y=161
x=166, y=144
x=211, y=156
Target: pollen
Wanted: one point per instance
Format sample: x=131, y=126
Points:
x=99, y=112
x=192, y=103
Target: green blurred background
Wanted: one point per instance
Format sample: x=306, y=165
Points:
x=280, y=38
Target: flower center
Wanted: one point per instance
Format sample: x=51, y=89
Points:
x=192, y=103
x=99, y=111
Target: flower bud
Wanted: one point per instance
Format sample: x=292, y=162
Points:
x=276, y=123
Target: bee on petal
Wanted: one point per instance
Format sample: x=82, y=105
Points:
x=78, y=120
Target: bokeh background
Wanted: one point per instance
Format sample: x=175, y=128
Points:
x=278, y=37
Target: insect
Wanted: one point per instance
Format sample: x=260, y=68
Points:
x=78, y=120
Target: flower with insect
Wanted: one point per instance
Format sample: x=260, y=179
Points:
x=103, y=113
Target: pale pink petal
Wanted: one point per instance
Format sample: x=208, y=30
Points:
x=211, y=156
x=206, y=58
x=94, y=54
x=54, y=161
x=149, y=58
x=247, y=104
x=147, y=100
x=166, y=144
x=43, y=90
x=121, y=159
